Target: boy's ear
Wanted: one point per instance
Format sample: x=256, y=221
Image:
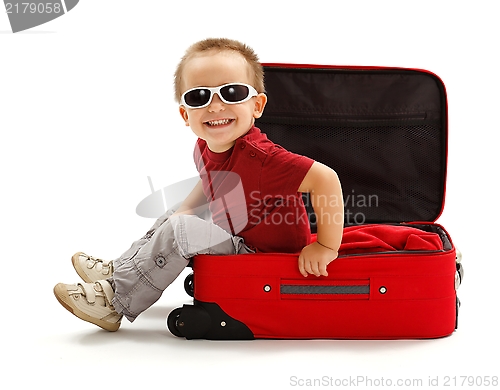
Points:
x=184, y=114
x=260, y=104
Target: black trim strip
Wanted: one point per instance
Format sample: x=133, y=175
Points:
x=322, y=290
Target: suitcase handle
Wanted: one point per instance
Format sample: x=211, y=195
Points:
x=459, y=275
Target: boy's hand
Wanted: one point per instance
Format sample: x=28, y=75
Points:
x=314, y=258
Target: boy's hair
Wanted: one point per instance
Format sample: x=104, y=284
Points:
x=221, y=44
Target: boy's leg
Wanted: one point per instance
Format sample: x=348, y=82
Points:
x=91, y=301
x=140, y=278
x=92, y=269
x=146, y=269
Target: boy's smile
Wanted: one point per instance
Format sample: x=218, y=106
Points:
x=218, y=123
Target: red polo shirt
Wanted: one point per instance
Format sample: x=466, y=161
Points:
x=252, y=190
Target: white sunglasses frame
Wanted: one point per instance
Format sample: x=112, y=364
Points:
x=252, y=92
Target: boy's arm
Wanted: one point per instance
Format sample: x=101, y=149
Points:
x=325, y=191
x=195, y=202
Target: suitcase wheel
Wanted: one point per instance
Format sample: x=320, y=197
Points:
x=189, y=284
x=173, y=324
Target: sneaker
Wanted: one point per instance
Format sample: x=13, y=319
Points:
x=90, y=269
x=91, y=302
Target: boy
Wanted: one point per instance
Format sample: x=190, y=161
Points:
x=219, y=84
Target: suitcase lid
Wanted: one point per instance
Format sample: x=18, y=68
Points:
x=383, y=130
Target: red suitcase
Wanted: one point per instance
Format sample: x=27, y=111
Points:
x=384, y=131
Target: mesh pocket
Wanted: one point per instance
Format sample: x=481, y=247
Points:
x=390, y=171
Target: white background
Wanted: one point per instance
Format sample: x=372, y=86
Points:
x=87, y=113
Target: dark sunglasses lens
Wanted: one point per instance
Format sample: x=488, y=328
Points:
x=234, y=93
x=197, y=97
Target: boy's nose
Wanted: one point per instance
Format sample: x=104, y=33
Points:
x=216, y=104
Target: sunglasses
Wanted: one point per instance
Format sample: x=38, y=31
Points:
x=233, y=93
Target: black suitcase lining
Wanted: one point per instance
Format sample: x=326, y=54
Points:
x=384, y=133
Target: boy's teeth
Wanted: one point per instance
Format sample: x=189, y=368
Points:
x=219, y=122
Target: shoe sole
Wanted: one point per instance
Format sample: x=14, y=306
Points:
x=79, y=270
x=65, y=300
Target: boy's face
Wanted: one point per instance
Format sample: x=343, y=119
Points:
x=220, y=124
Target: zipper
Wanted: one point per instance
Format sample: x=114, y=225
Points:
x=347, y=120
x=344, y=117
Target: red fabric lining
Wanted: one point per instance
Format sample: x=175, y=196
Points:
x=382, y=238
